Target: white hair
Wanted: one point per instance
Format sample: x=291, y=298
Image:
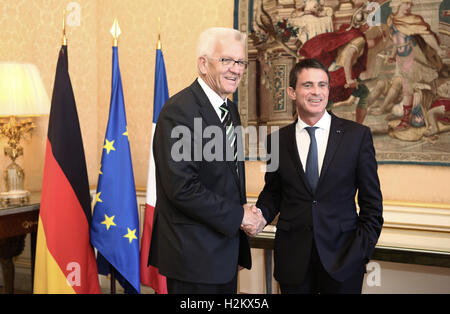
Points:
x=208, y=40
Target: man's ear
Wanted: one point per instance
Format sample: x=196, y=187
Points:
x=291, y=93
x=202, y=64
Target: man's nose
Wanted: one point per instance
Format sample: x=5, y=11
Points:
x=235, y=68
x=315, y=90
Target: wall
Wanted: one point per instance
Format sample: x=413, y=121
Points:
x=404, y=183
x=181, y=24
x=381, y=278
x=406, y=278
x=31, y=32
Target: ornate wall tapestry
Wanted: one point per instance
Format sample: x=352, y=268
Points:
x=389, y=63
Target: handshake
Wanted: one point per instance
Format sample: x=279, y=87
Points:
x=253, y=221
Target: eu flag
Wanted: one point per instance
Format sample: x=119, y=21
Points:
x=115, y=222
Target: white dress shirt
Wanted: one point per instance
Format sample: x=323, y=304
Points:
x=213, y=97
x=303, y=139
x=216, y=102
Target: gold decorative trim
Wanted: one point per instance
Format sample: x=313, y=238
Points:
x=415, y=227
x=416, y=204
x=385, y=202
x=394, y=203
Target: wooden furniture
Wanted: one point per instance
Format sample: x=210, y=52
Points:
x=17, y=220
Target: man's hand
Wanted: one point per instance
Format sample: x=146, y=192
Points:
x=253, y=221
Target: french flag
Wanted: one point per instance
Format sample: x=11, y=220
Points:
x=149, y=274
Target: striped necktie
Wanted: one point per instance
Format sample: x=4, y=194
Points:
x=229, y=130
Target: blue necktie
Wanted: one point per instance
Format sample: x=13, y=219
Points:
x=312, y=167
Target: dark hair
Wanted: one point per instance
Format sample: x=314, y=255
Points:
x=305, y=64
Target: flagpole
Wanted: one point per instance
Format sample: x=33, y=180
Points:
x=158, y=45
x=64, y=38
x=115, y=31
x=112, y=270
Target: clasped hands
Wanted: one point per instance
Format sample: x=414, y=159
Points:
x=253, y=221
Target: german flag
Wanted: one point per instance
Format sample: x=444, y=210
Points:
x=65, y=260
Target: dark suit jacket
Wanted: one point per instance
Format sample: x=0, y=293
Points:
x=196, y=235
x=344, y=239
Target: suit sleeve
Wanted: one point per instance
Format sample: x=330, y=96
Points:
x=180, y=178
x=269, y=198
x=370, y=200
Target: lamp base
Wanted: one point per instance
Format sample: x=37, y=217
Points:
x=14, y=197
x=15, y=193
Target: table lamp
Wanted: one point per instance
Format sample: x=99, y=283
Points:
x=22, y=96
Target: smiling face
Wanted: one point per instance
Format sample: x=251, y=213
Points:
x=310, y=94
x=222, y=79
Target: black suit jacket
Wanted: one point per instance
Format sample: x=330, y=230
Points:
x=344, y=239
x=196, y=235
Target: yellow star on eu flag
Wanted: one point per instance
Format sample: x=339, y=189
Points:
x=109, y=146
x=126, y=132
x=109, y=221
x=131, y=235
x=97, y=198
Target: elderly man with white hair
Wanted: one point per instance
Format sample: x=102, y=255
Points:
x=197, y=241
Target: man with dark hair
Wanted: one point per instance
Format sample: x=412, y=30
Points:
x=322, y=244
x=344, y=53
x=305, y=63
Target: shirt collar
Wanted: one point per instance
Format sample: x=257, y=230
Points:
x=215, y=100
x=324, y=123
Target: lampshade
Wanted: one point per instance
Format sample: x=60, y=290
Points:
x=22, y=92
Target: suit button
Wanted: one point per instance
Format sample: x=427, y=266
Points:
x=314, y=202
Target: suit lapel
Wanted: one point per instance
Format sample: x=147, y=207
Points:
x=209, y=115
x=334, y=140
x=206, y=109
x=241, y=164
x=294, y=154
